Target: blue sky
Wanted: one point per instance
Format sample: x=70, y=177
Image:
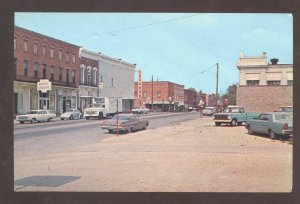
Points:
x=178, y=47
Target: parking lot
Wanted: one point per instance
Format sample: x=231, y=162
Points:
x=192, y=156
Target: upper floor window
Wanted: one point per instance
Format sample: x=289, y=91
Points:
x=82, y=74
x=15, y=43
x=158, y=94
x=35, y=48
x=44, y=71
x=144, y=94
x=101, y=79
x=89, y=75
x=73, y=58
x=67, y=75
x=26, y=67
x=51, y=53
x=73, y=76
x=44, y=50
x=112, y=82
x=273, y=83
x=60, y=55
x=252, y=82
x=135, y=93
x=290, y=82
x=60, y=71
x=36, y=70
x=25, y=45
x=94, y=76
x=51, y=72
x=67, y=56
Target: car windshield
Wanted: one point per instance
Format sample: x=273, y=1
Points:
x=121, y=117
x=33, y=112
x=231, y=110
x=283, y=116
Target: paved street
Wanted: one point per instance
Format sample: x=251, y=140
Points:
x=180, y=155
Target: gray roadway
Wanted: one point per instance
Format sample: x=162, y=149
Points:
x=62, y=136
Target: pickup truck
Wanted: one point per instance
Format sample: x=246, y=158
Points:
x=234, y=115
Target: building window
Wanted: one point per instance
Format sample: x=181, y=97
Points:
x=73, y=76
x=135, y=94
x=82, y=75
x=60, y=55
x=273, y=83
x=25, y=45
x=89, y=75
x=51, y=72
x=67, y=75
x=158, y=94
x=60, y=72
x=73, y=58
x=26, y=67
x=112, y=82
x=290, y=82
x=36, y=70
x=15, y=43
x=35, y=48
x=95, y=76
x=67, y=56
x=101, y=79
x=252, y=82
x=44, y=71
x=15, y=68
x=144, y=94
x=51, y=53
x=44, y=50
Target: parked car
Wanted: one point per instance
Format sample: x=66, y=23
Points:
x=126, y=122
x=275, y=124
x=71, y=114
x=141, y=110
x=34, y=116
x=288, y=109
x=209, y=111
x=234, y=115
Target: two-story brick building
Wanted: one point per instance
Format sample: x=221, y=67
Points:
x=167, y=96
x=190, y=98
x=264, y=86
x=36, y=57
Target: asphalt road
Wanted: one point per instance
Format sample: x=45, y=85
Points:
x=62, y=136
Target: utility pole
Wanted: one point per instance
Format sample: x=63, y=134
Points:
x=217, y=83
x=117, y=117
x=152, y=94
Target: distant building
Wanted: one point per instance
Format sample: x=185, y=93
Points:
x=167, y=96
x=264, y=86
x=37, y=57
x=190, y=98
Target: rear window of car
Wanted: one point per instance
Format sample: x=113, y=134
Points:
x=32, y=112
x=283, y=116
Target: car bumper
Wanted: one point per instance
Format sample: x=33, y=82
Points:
x=287, y=132
x=91, y=115
x=23, y=120
x=113, y=128
x=222, y=121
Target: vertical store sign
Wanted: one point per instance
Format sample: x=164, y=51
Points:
x=140, y=83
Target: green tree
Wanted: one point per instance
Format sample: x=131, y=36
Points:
x=230, y=94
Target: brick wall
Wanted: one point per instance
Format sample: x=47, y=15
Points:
x=264, y=98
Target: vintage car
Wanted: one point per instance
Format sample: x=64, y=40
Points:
x=34, y=116
x=71, y=114
x=141, y=110
x=209, y=111
x=126, y=122
x=234, y=115
x=275, y=124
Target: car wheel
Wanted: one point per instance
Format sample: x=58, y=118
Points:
x=71, y=117
x=272, y=135
x=233, y=122
x=285, y=137
x=33, y=120
x=21, y=122
x=100, y=116
x=81, y=116
x=217, y=123
x=49, y=119
x=250, y=132
x=110, y=131
x=87, y=118
x=130, y=130
x=239, y=123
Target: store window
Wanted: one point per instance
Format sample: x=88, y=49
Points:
x=26, y=67
x=273, y=83
x=36, y=70
x=252, y=82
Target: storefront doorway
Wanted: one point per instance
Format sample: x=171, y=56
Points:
x=44, y=101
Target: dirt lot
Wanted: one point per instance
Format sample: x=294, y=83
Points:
x=194, y=156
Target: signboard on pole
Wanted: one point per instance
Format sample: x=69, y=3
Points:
x=44, y=85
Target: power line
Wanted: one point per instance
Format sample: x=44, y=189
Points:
x=139, y=26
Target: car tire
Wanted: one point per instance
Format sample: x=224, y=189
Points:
x=71, y=117
x=49, y=119
x=81, y=116
x=217, y=123
x=33, y=120
x=285, y=137
x=239, y=123
x=250, y=132
x=100, y=116
x=87, y=118
x=21, y=122
x=233, y=122
x=130, y=130
x=110, y=131
x=273, y=135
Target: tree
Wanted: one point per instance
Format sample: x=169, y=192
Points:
x=192, y=89
x=230, y=95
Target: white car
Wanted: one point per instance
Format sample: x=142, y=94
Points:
x=140, y=110
x=71, y=114
x=209, y=111
x=34, y=116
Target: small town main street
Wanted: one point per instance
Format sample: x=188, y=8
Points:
x=179, y=152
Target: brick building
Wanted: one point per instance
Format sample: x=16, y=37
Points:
x=167, y=96
x=36, y=57
x=190, y=98
x=89, y=77
x=264, y=86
